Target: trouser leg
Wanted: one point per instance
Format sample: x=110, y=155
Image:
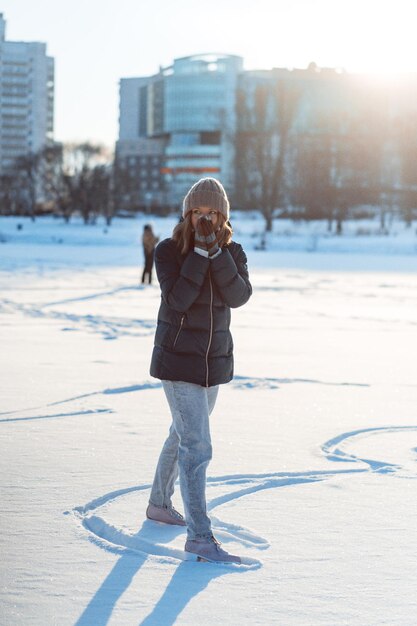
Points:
x=212, y=393
x=148, y=266
x=190, y=407
x=166, y=471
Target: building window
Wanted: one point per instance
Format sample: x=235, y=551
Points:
x=210, y=138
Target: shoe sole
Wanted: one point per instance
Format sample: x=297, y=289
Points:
x=158, y=521
x=192, y=556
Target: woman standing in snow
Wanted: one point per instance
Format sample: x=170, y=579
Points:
x=202, y=274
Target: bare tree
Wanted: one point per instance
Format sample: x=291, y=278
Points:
x=338, y=165
x=313, y=189
x=83, y=178
x=406, y=131
x=27, y=183
x=100, y=192
x=7, y=194
x=264, y=122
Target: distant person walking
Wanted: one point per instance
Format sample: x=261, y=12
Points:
x=202, y=274
x=149, y=242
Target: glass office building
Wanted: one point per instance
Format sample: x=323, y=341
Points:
x=185, y=116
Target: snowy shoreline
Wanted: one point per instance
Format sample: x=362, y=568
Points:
x=51, y=242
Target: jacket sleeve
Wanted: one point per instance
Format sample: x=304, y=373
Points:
x=232, y=277
x=180, y=285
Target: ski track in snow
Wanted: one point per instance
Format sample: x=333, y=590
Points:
x=260, y=382
x=107, y=327
x=238, y=382
x=93, y=296
x=53, y=415
x=111, y=328
x=158, y=541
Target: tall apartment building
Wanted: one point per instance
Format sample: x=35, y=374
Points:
x=26, y=98
x=178, y=126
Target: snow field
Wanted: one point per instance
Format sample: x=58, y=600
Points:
x=313, y=479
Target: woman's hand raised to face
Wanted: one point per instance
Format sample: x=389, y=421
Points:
x=205, y=225
x=205, y=236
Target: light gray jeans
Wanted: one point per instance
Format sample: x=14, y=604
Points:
x=187, y=451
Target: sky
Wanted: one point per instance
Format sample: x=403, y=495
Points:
x=97, y=42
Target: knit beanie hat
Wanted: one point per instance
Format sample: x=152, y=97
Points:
x=207, y=192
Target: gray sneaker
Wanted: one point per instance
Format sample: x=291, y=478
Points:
x=209, y=549
x=166, y=515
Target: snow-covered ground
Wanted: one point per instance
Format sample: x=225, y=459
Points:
x=313, y=479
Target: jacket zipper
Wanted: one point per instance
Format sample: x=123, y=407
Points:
x=179, y=330
x=211, y=330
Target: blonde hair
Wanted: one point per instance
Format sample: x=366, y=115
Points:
x=183, y=233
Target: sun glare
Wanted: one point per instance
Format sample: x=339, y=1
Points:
x=375, y=37
x=362, y=36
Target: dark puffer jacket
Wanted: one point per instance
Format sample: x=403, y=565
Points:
x=193, y=341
